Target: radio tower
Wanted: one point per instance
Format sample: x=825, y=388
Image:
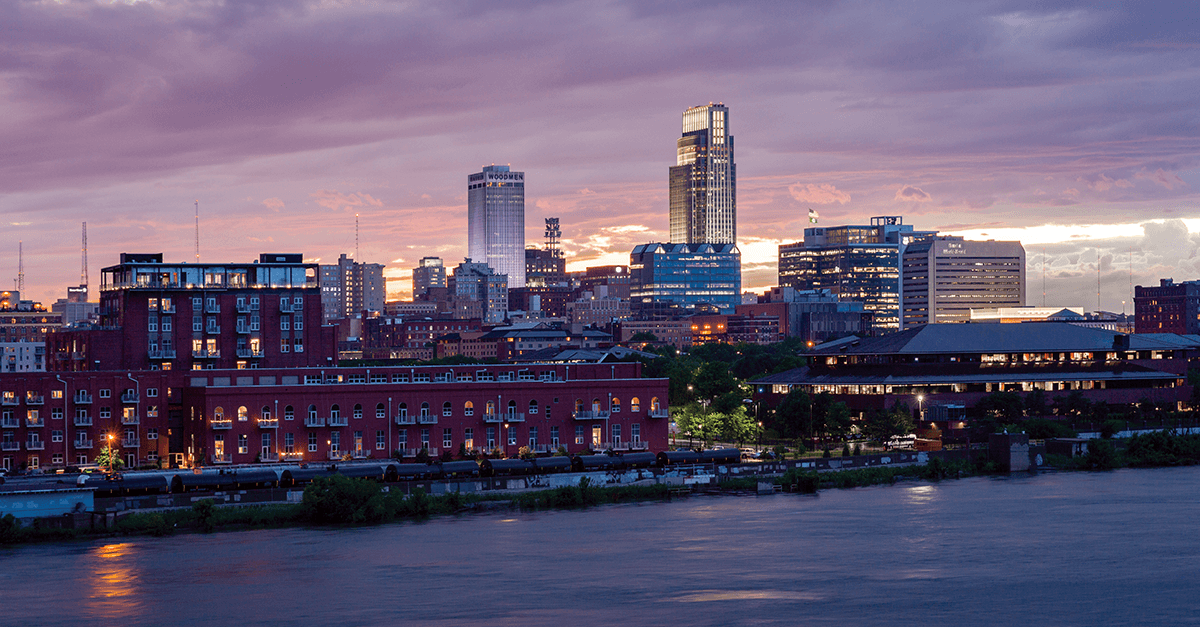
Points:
x=356, y=257
x=552, y=235
x=20, y=266
x=83, y=275
x=197, y=231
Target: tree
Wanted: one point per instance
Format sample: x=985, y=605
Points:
x=1004, y=405
x=109, y=458
x=1073, y=404
x=1035, y=403
x=881, y=426
x=714, y=379
x=791, y=417
x=643, y=336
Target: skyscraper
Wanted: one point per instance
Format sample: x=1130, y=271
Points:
x=703, y=181
x=943, y=278
x=429, y=273
x=350, y=288
x=496, y=221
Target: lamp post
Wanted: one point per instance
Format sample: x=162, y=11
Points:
x=921, y=408
x=504, y=442
x=111, y=454
x=758, y=444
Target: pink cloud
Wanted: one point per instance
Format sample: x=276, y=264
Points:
x=822, y=194
x=1168, y=180
x=910, y=193
x=274, y=204
x=338, y=201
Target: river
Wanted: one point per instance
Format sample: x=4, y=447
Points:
x=1058, y=549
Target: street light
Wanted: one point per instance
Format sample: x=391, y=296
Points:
x=920, y=408
x=758, y=444
x=111, y=454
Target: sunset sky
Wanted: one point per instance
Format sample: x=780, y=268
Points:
x=1071, y=126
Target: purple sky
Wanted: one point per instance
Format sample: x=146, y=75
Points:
x=1074, y=123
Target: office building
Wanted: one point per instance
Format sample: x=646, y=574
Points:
x=703, y=181
x=854, y=262
x=1169, y=308
x=945, y=277
x=350, y=288
x=688, y=276
x=429, y=274
x=496, y=221
x=814, y=315
x=478, y=291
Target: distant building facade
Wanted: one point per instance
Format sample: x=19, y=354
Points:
x=1169, y=308
x=349, y=288
x=685, y=275
x=479, y=292
x=945, y=277
x=703, y=181
x=496, y=221
x=429, y=274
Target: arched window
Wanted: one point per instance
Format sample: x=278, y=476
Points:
x=468, y=408
x=446, y=409
x=635, y=404
x=335, y=411
x=380, y=411
x=243, y=414
x=219, y=414
x=266, y=413
x=312, y=412
x=615, y=406
x=491, y=408
x=358, y=411
x=596, y=405
x=289, y=413
x=512, y=407
x=402, y=410
x=424, y=409
x=533, y=407
x=654, y=404
x=579, y=404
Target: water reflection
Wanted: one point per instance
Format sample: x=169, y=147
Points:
x=920, y=494
x=114, y=581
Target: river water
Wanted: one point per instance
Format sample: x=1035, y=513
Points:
x=1071, y=548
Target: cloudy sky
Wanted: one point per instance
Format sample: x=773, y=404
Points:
x=1071, y=126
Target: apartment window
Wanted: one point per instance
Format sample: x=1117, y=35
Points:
x=56, y=413
x=297, y=303
x=616, y=433
x=579, y=434
x=152, y=325
x=469, y=438
x=299, y=345
x=151, y=434
x=197, y=324
x=151, y=392
x=197, y=303
x=358, y=411
x=512, y=435
x=289, y=413
x=615, y=406
x=402, y=439
x=468, y=409
x=56, y=459
x=266, y=443
x=284, y=343
x=212, y=304
x=380, y=440
x=635, y=432
x=447, y=442
x=253, y=303
x=289, y=443
x=335, y=441
x=254, y=321
x=446, y=410
x=298, y=322
x=491, y=437
x=554, y=436
x=380, y=411
x=243, y=447
x=105, y=412
x=166, y=324
x=312, y=442
x=56, y=436
x=106, y=393
x=533, y=435
x=533, y=407
x=56, y=393
x=425, y=438
x=285, y=323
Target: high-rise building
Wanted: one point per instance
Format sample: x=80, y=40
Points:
x=945, y=277
x=350, y=288
x=429, y=273
x=855, y=262
x=703, y=181
x=686, y=276
x=479, y=292
x=496, y=221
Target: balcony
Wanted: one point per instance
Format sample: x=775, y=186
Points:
x=660, y=413
x=214, y=329
x=591, y=415
x=268, y=423
x=338, y=421
x=268, y=457
x=427, y=419
x=513, y=417
x=33, y=423
x=206, y=354
x=285, y=307
x=221, y=425
x=10, y=423
x=167, y=309
x=35, y=400
x=639, y=446
x=10, y=446
x=314, y=421
x=162, y=354
x=213, y=307
x=293, y=456
x=242, y=307
x=129, y=396
x=405, y=419
x=131, y=443
x=83, y=399
x=130, y=420
x=358, y=453
x=84, y=443
x=247, y=353
x=242, y=329
x=82, y=421
x=222, y=459
x=9, y=400
x=335, y=454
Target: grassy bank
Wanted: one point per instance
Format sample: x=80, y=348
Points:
x=809, y=481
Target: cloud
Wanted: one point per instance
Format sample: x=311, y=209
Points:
x=1168, y=180
x=912, y=193
x=822, y=194
x=274, y=204
x=1104, y=183
x=335, y=201
x=627, y=228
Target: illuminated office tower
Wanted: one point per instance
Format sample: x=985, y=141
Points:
x=496, y=221
x=703, y=181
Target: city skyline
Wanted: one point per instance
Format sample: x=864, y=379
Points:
x=1066, y=126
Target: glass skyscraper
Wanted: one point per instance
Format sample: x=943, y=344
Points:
x=496, y=221
x=687, y=275
x=703, y=181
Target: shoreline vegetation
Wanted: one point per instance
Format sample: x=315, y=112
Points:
x=341, y=501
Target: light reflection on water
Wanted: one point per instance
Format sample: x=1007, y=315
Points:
x=1057, y=549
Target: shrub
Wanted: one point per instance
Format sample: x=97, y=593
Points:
x=338, y=499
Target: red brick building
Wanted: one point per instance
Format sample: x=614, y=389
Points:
x=1169, y=308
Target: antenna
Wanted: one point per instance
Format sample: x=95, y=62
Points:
x=356, y=257
x=197, y=231
x=20, y=266
x=552, y=235
x=1043, y=276
x=1097, y=280
x=83, y=273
